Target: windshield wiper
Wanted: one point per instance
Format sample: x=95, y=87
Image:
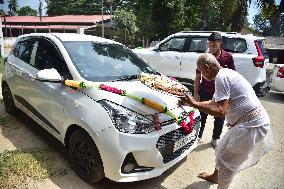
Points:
x=127, y=78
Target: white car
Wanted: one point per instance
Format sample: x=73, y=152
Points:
x=111, y=125
x=177, y=54
x=277, y=78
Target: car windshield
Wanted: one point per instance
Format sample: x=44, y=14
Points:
x=100, y=62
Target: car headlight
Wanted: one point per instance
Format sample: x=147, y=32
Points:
x=127, y=121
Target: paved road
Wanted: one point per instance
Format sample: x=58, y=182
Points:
x=268, y=173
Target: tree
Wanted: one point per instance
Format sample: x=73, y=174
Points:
x=13, y=7
x=86, y=7
x=274, y=14
x=27, y=11
x=125, y=21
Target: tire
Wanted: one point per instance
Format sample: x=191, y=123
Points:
x=261, y=89
x=8, y=100
x=85, y=157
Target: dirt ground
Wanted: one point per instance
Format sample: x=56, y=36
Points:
x=24, y=133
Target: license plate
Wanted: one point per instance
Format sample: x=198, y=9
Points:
x=183, y=141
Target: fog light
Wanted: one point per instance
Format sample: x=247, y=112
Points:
x=130, y=165
x=128, y=168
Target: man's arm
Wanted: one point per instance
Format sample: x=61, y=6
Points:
x=231, y=63
x=196, y=85
x=211, y=107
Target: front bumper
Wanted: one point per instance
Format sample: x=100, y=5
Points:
x=153, y=152
x=277, y=84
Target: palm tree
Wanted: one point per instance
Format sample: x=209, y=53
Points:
x=13, y=6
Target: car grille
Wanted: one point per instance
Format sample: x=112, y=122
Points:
x=166, y=142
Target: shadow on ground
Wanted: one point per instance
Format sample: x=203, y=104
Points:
x=275, y=97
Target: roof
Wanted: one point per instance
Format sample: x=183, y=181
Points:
x=207, y=33
x=67, y=27
x=274, y=42
x=72, y=37
x=56, y=19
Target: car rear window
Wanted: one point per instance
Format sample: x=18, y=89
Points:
x=235, y=45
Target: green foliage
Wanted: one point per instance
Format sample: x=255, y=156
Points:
x=270, y=20
x=125, y=21
x=1, y=65
x=156, y=19
x=63, y=7
x=13, y=7
x=18, y=167
x=3, y=120
x=26, y=11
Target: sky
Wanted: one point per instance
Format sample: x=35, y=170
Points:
x=253, y=10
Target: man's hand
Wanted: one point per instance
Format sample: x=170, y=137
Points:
x=187, y=100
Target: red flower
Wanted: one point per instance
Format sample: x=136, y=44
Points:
x=186, y=128
x=111, y=89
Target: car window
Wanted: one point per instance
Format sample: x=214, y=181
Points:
x=105, y=62
x=174, y=44
x=198, y=44
x=24, y=50
x=47, y=57
x=236, y=45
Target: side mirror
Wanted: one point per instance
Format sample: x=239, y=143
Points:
x=157, y=48
x=49, y=75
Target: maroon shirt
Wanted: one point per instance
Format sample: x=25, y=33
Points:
x=226, y=61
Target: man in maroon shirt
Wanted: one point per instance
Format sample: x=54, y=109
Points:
x=205, y=90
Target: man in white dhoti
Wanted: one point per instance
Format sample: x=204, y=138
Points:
x=249, y=136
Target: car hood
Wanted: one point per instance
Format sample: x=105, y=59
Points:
x=144, y=50
x=138, y=89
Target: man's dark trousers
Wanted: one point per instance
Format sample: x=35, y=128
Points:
x=218, y=122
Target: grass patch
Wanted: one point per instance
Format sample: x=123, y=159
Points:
x=19, y=167
x=1, y=65
x=3, y=120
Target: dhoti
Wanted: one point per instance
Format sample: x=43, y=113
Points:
x=245, y=142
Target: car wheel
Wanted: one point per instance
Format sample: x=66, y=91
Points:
x=8, y=100
x=262, y=90
x=85, y=157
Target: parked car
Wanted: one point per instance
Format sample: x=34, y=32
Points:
x=277, y=78
x=106, y=134
x=177, y=54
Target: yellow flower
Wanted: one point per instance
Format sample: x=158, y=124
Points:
x=154, y=105
x=72, y=83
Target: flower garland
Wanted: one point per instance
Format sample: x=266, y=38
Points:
x=180, y=120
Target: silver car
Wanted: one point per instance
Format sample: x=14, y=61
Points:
x=106, y=134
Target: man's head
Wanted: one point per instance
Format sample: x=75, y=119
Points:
x=208, y=65
x=215, y=42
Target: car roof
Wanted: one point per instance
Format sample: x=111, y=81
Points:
x=227, y=34
x=71, y=37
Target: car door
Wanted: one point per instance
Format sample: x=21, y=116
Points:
x=18, y=74
x=196, y=46
x=48, y=98
x=167, y=58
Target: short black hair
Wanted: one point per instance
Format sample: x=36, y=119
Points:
x=215, y=36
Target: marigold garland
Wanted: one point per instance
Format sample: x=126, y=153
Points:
x=187, y=127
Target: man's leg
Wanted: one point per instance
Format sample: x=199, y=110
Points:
x=203, y=97
x=225, y=176
x=218, y=127
x=203, y=122
x=210, y=177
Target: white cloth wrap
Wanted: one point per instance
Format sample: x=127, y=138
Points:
x=246, y=141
